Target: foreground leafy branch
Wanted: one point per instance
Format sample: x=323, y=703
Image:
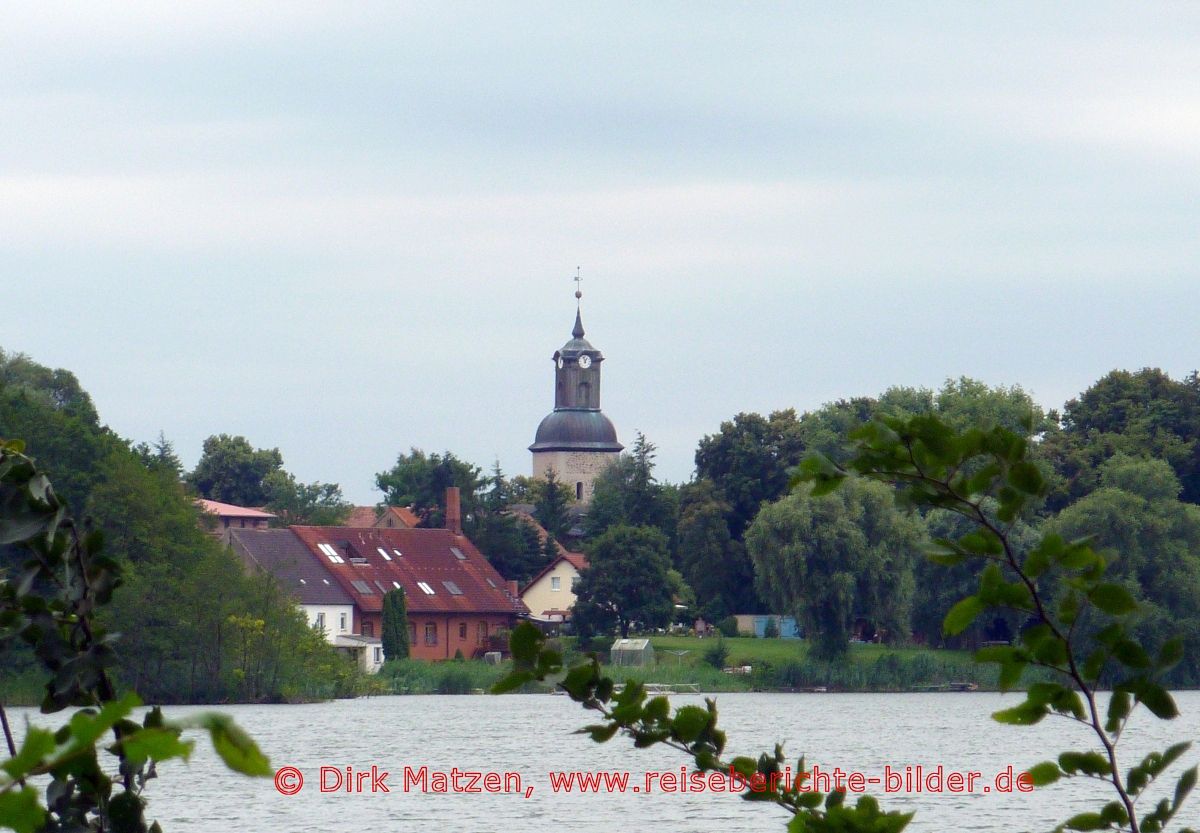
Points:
x=50, y=604
x=1076, y=624
x=693, y=731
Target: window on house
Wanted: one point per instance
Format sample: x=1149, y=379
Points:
x=412, y=634
x=321, y=621
x=579, y=490
x=341, y=621
x=396, y=584
x=462, y=630
x=425, y=588
x=574, y=583
x=368, y=629
x=384, y=553
x=458, y=553
x=481, y=633
x=431, y=633
x=555, y=583
x=452, y=588
x=492, y=583
x=378, y=656
x=398, y=553
x=380, y=585
x=363, y=587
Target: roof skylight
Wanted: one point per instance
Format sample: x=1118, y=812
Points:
x=425, y=588
x=454, y=589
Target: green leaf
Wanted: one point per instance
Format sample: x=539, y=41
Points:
x=579, y=681
x=38, y=744
x=1118, y=709
x=1131, y=654
x=1086, y=821
x=1026, y=714
x=20, y=810
x=155, y=744
x=1113, y=599
x=962, y=615
x=511, y=682
x=1044, y=773
x=599, y=732
x=1186, y=782
x=1157, y=700
x=689, y=722
x=237, y=750
x=1026, y=477
x=1170, y=654
x=1089, y=763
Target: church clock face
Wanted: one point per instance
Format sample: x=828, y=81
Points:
x=560, y=362
x=585, y=362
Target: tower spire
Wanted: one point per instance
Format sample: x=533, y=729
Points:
x=578, y=331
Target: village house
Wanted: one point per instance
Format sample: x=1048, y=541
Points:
x=550, y=594
x=326, y=606
x=230, y=517
x=390, y=517
x=456, y=600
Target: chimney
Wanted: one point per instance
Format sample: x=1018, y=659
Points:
x=512, y=590
x=453, y=510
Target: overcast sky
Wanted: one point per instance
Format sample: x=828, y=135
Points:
x=346, y=232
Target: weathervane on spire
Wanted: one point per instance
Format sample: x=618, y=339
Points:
x=578, y=284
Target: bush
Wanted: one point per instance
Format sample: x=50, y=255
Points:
x=728, y=626
x=717, y=654
x=454, y=680
x=771, y=631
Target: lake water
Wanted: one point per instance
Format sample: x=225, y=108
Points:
x=531, y=735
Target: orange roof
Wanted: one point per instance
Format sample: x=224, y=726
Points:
x=228, y=510
x=369, y=516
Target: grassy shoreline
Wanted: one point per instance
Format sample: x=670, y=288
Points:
x=777, y=665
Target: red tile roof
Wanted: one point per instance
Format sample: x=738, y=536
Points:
x=228, y=510
x=426, y=555
x=366, y=516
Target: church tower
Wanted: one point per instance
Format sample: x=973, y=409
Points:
x=576, y=440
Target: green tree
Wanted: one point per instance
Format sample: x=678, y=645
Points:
x=1152, y=540
x=510, y=544
x=627, y=492
x=836, y=559
x=161, y=455
x=1142, y=413
x=748, y=461
x=76, y=653
x=710, y=560
x=626, y=582
x=233, y=471
x=552, y=506
x=419, y=481
x=395, y=625
x=312, y=504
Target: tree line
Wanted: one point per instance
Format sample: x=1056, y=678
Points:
x=194, y=625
